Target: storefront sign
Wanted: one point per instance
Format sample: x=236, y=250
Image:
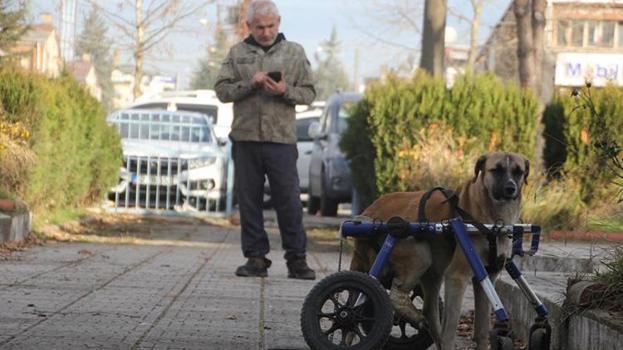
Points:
x=575, y=69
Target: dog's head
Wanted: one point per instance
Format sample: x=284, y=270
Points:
x=503, y=174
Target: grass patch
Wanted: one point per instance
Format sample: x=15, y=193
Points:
x=58, y=216
x=610, y=224
x=326, y=240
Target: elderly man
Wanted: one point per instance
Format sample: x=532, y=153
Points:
x=265, y=76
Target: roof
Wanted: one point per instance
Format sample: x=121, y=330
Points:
x=80, y=69
x=38, y=33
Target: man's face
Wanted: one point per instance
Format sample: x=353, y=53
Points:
x=264, y=28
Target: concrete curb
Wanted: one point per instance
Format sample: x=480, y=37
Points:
x=15, y=227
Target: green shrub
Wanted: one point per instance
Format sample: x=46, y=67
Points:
x=77, y=155
x=571, y=133
x=390, y=128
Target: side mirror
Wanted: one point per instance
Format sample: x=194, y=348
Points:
x=314, y=130
x=222, y=141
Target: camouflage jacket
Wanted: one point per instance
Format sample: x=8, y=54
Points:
x=258, y=115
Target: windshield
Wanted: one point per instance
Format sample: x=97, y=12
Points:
x=163, y=127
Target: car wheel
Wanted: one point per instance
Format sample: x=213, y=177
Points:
x=313, y=204
x=328, y=206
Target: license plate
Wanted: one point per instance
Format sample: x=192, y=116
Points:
x=138, y=179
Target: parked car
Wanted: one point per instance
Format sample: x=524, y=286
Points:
x=171, y=160
x=200, y=101
x=329, y=172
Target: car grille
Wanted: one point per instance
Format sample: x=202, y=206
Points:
x=144, y=166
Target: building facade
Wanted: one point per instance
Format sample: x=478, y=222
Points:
x=583, y=42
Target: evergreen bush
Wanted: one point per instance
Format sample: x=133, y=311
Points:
x=388, y=130
x=77, y=155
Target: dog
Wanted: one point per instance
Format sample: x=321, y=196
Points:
x=493, y=195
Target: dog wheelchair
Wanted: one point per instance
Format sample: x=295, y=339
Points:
x=352, y=310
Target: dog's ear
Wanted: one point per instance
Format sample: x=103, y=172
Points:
x=480, y=165
x=527, y=172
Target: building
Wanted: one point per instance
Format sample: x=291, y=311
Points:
x=84, y=72
x=38, y=50
x=583, y=42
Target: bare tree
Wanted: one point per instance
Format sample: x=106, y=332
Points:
x=473, y=32
x=433, y=37
x=530, y=15
x=241, y=27
x=153, y=21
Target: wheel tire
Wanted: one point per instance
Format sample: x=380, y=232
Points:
x=538, y=340
x=345, y=317
x=328, y=206
x=313, y=204
x=412, y=337
x=502, y=343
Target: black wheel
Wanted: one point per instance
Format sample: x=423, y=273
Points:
x=407, y=336
x=501, y=342
x=539, y=340
x=347, y=310
x=313, y=204
x=328, y=206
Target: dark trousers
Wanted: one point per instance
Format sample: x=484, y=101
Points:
x=253, y=160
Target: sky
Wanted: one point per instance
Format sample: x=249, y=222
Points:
x=361, y=25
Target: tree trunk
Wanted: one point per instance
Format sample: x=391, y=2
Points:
x=433, y=37
x=525, y=54
x=473, y=42
x=139, y=49
x=538, y=32
x=241, y=28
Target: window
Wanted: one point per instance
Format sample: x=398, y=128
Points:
x=577, y=33
x=345, y=111
x=600, y=34
x=209, y=110
x=302, y=128
x=561, y=32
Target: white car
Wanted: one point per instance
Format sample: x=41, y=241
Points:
x=304, y=144
x=200, y=101
x=172, y=160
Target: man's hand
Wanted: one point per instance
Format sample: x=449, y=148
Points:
x=275, y=88
x=259, y=79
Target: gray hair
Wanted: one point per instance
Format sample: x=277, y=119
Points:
x=261, y=7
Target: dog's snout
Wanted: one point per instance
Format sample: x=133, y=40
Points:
x=510, y=189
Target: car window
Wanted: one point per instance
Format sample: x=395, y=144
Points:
x=345, y=111
x=162, y=105
x=209, y=110
x=164, y=127
x=302, y=128
x=324, y=120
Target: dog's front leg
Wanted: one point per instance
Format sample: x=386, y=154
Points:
x=455, y=284
x=482, y=312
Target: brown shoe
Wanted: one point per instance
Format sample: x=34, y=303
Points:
x=297, y=268
x=254, y=267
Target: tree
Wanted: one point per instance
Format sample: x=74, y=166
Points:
x=205, y=76
x=94, y=41
x=530, y=16
x=11, y=27
x=433, y=37
x=330, y=74
x=153, y=21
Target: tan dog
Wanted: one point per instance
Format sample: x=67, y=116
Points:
x=492, y=196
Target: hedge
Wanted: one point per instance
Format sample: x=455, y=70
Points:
x=76, y=154
x=479, y=113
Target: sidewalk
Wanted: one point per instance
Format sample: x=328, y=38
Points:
x=173, y=288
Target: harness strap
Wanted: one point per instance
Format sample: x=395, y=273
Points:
x=453, y=199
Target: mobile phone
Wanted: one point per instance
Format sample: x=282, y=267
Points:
x=276, y=76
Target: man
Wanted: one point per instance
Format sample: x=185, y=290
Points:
x=264, y=136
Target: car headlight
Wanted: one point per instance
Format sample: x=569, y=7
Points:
x=201, y=162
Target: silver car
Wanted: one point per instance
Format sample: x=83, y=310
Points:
x=171, y=160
